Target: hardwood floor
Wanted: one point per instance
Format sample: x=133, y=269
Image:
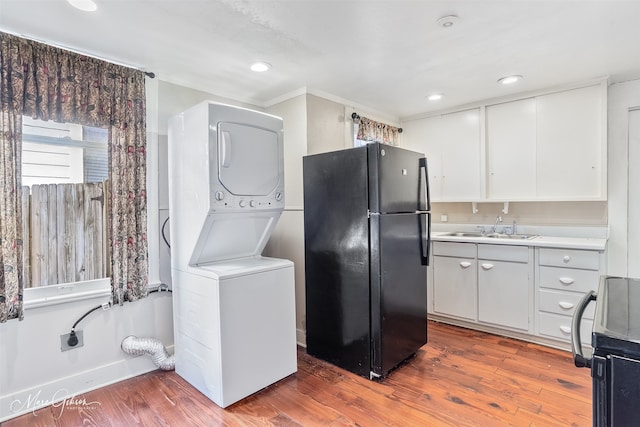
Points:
x=460, y=378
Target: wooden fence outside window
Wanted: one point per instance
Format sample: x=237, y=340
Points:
x=65, y=234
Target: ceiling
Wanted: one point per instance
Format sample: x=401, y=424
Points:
x=386, y=55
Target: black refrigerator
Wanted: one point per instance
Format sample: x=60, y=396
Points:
x=367, y=230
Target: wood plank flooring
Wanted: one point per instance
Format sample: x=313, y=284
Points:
x=460, y=378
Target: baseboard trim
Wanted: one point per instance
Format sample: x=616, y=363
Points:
x=301, y=337
x=63, y=393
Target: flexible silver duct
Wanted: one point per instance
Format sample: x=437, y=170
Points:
x=150, y=347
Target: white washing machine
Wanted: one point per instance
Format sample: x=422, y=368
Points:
x=234, y=310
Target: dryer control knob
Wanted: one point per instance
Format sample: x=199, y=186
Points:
x=278, y=196
x=243, y=203
x=253, y=203
x=219, y=195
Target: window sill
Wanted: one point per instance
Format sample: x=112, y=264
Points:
x=67, y=292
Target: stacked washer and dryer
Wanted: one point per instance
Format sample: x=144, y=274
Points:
x=233, y=310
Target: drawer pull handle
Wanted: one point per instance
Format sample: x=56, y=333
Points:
x=565, y=304
x=566, y=280
x=566, y=258
x=465, y=264
x=486, y=266
x=565, y=329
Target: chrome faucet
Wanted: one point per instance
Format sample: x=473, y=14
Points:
x=495, y=224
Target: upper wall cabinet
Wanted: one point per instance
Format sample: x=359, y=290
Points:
x=511, y=150
x=571, y=148
x=451, y=143
x=550, y=147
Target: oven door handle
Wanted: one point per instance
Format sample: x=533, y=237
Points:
x=576, y=346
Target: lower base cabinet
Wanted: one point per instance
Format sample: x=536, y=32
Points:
x=503, y=293
x=531, y=291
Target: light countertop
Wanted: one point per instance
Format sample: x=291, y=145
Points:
x=589, y=243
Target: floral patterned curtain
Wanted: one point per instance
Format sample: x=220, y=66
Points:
x=49, y=83
x=369, y=130
x=10, y=210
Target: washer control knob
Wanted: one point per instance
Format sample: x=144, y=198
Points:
x=243, y=203
x=278, y=196
x=253, y=203
x=219, y=195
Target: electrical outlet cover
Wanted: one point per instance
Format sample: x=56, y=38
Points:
x=64, y=338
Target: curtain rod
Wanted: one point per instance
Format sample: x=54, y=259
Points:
x=149, y=74
x=355, y=117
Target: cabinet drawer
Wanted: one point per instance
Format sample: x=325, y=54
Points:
x=462, y=250
x=569, y=279
x=503, y=252
x=569, y=258
x=562, y=303
x=556, y=326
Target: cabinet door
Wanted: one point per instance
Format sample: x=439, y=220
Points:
x=454, y=287
x=570, y=141
x=511, y=150
x=503, y=293
x=425, y=136
x=460, y=148
x=451, y=143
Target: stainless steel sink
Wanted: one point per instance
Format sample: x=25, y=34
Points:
x=510, y=236
x=462, y=234
x=490, y=235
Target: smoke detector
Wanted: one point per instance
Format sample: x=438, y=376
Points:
x=447, y=21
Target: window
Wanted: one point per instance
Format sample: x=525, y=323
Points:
x=64, y=174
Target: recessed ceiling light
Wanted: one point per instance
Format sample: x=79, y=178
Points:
x=260, y=67
x=84, y=5
x=508, y=80
x=447, y=21
x=435, y=97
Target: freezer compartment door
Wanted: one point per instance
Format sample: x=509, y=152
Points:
x=397, y=180
x=398, y=289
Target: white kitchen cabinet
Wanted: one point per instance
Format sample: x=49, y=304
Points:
x=511, y=150
x=563, y=277
x=451, y=143
x=571, y=152
x=454, y=280
x=505, y=285
x=521, y=290
x=549, y=147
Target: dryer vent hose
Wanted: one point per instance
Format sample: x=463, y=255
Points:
x=150, y=347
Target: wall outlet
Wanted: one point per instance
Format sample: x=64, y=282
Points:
x=444, y=218
x=64, y=338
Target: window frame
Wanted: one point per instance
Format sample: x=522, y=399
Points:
x=45, y=296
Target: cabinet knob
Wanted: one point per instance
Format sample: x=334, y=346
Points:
x=565, y=329
x=465, y=264
x=566, y=305
x=566, y=280
x=566, y=258
x=486, y=266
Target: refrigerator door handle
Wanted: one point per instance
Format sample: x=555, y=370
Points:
x=576, y=346
x=423, y=168
x=425, y=238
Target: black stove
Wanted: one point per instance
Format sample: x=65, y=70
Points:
x=615, y=364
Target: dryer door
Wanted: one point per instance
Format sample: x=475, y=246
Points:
x=248, y=159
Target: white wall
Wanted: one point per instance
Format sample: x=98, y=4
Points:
x=287, y=240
